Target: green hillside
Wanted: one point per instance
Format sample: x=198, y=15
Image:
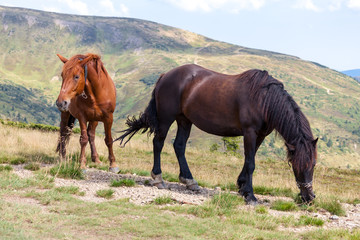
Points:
x=135, y=52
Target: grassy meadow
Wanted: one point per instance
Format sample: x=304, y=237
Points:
x=34, y=208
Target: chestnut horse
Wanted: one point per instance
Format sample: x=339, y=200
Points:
x=88, y=94
x=251, y=104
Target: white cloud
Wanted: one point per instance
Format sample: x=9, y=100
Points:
x=77, y=5
x=212, y=5
x=124, y=10
x=307, y=5
x=335, y=5
x=354, y=4
x=108, y=4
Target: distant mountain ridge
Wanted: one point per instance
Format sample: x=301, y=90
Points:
x=135, y=52
x=352, y=72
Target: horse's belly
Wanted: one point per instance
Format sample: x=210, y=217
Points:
x=215, y=125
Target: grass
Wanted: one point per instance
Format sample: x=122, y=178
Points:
x=281, y=205
x=32, y=166
x=162, y=200
x=223, y=215
x=273, y=191
x=122, y=182
x=67, y=169
x=105, y=193
x=311, y=221
x=261, y=210
x=5, y=168
x=331, y=205
x=70, y=190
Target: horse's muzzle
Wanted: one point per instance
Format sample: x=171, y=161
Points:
x=63, y=106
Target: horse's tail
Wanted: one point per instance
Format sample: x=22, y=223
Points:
x=146, y=121
x=65, y=135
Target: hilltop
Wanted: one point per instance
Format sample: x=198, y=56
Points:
x=135, y=52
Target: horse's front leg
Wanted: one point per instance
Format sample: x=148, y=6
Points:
x=64, y=135
x=241, y=181
x=246, y=190
x=109, y=143
x=83, y=142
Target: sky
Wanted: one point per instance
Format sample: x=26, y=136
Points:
x=323, y=31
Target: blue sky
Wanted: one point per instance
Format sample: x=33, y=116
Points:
x=324, y=31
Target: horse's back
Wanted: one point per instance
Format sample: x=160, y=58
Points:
x=214, y=102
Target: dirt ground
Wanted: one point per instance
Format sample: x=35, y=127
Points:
x=143, y=193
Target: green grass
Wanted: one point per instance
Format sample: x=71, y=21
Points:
x=273, y=191
x=220, y=204
x=331, y=205
x=67, y=169
x=105, y=193
x=311, y=221
x=122, y=182
x=70, y=190
x=162, y=200
x=5, y=168
x=32, y=166
x=261, y=210
x=281, y=205
x=18, y=161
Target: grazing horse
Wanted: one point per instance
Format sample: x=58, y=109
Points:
x=251, y=104
x=88, y=94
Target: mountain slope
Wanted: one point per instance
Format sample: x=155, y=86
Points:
x=135, y=52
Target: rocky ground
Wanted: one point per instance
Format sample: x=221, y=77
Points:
x=143, y=193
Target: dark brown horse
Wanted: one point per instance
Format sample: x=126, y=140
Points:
x=88, y=94
x=251, y=104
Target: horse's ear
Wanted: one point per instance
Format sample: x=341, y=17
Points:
x=291, y=148
x=64, y=60
x=314, y=142
x=88, y=58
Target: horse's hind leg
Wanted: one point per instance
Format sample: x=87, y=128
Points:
x=158, y=144
x=91, y=134
x=109, y=143
x=182, y=135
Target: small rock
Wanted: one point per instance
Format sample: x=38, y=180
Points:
x=217, y=189
x=334, y=217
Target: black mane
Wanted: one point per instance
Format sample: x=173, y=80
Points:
x=282, y=113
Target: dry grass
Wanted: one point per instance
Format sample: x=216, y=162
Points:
x=211, y=168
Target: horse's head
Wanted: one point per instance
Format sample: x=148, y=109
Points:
x=303, y=160
x=73, y=79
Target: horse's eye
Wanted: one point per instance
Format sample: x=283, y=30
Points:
x=76, y=77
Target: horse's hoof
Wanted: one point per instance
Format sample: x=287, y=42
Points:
x=114, y=169
x=191, y=184
x=158, y=181
x=251, y=200
x=160, y=185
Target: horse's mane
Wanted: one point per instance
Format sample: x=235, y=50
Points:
x=83, y=60
x=282, y=113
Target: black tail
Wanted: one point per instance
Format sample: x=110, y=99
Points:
x=65, y=134
x=147, y=121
